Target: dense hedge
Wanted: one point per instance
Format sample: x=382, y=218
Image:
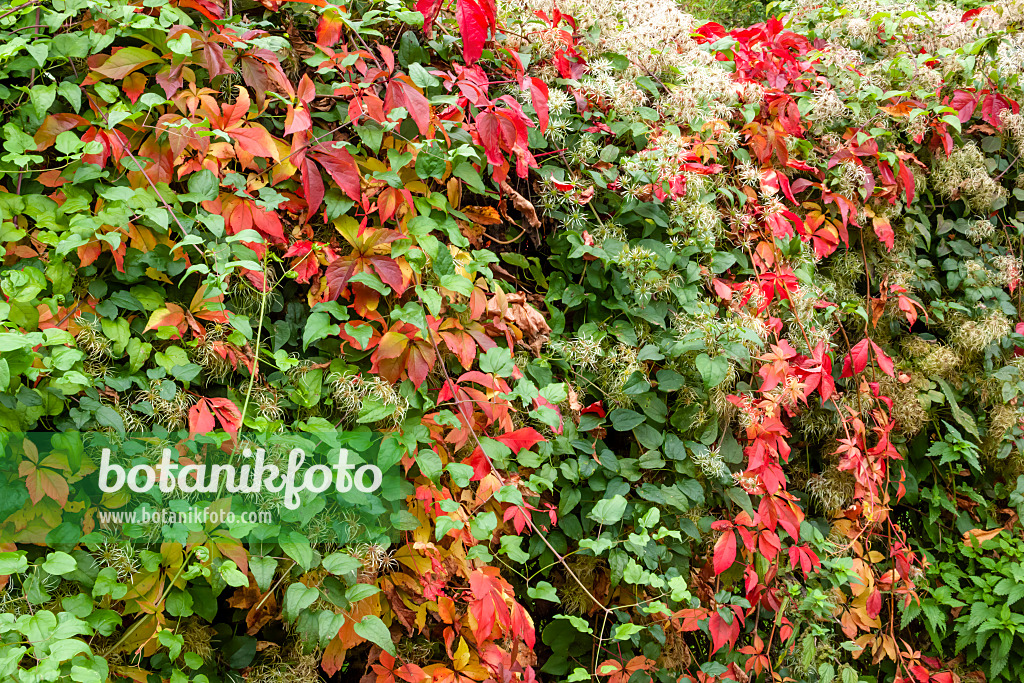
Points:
x=697, y=350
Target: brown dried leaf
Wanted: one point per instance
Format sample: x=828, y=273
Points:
x=246, y=597
x=261, y=612
x=472, y=232
x=405, y=615
x=523, y=205
x=261, y=615
x=530, y=321
x=980, y=535
x=574, y=400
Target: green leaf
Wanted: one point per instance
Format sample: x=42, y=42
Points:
x=203, y=186
x=580, y=625
x=39, y=50
x=498, y=361
x=262, y=569
x=712, y=370
x=297, y=547
x=961, y=416
x=374, y=630
x=240, y=651
x=360, y=591
x=609, y=510
x=59, y=563
x=340, y=563
x=624, y=420
x=319, y=326
x=444, y=524
x=419, y=75
x=181, y=45
x=543, y=591
x=626, y=631
x=512, y=547
x=232, y=575
x=66, y=648
x=328, y=625
x=297, y=598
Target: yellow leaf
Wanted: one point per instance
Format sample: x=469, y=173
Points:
x=461, y=657
x=154, y=274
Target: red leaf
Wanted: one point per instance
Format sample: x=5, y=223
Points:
x=874, y=604
x=42, y=479
x=725, y=552
x=480, y=463
x=909, y=308
x=907, y=178
x=722, y=633
x=329, y=30
x=522, y=439
x=883, y=229
x=227, y=412
x=298, y=118
x=404, y=94
x=399, y=353
x=965, y=103
x=255, y=140
x=208, y=308
x=475, y=18
x=134, y=86
x=489, y=127
x=241, y=213
x=200, y=418
x=171, y=315
x=429, y=9
x=312, y=185
x=306, y=265
x=539, y=96
x=993, y=105
x=488, y=604
x=389, y=272
x=884, y=362
x=859, y=357
x=340, y=165
x=54, y=125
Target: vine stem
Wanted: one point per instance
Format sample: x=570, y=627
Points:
x=265, y=294
x=21, y=7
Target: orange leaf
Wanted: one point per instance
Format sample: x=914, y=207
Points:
x=171, y=315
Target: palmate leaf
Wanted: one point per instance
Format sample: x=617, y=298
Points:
x=370, y=253
x=43, y=480
x=403, y=352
